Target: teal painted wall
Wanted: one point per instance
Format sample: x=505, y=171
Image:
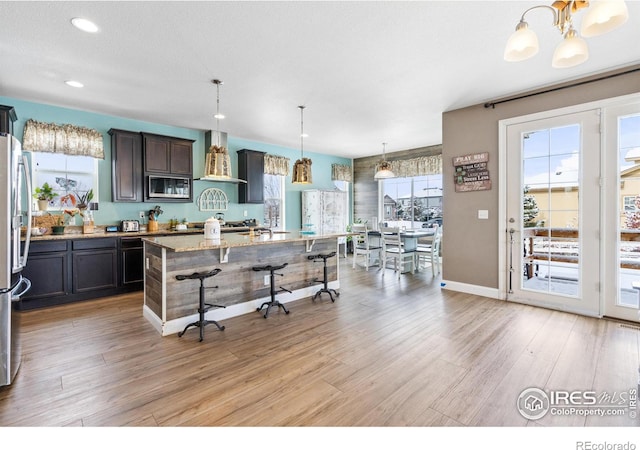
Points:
x=112, y=213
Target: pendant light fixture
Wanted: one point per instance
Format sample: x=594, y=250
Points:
x=217, y=163
x=302, y=167
x=601, y=17
x=384, y=167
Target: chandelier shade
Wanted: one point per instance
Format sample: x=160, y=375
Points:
x=603, y=17
x=522, y=44
x=572, y=51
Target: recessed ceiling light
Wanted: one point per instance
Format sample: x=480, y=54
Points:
x=84, y=25
x=74, y=83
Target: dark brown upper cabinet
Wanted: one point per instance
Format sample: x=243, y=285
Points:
x=7, y=117
x=251, y=169
x=126, y=164
x=167, y=155
x=168, y=168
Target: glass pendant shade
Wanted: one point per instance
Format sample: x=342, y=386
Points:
x=572, y=51
x=522, y=44
x=302, y=171
x=218, y=162
x=384, y=171
x=604, y=16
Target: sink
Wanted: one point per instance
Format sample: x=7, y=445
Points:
x=263, y=233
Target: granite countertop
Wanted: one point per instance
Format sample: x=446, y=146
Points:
x=186, y=243
x=75, y=232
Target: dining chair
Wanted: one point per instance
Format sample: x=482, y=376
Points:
x=393, y=250
x=429, y=254
x=362, y=246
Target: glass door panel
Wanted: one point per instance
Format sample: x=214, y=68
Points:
x=622, y=246
x=553, y=204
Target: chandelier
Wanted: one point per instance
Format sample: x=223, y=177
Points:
x=302, y=167
x=217, y=162
x=384, y=167
x=601, y=17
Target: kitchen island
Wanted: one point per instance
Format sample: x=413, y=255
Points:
x=169, y=304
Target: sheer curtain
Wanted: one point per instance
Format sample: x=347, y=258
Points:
x=341, y=172
x=276, y=165
x=424, y=165
x=66, y=139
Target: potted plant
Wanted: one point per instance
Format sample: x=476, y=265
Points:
x=44, y=194
x=84, y=199
x=58, y=228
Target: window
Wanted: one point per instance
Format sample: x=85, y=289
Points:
x=413, y=202
x=274, y=205
x=69, y=176
x=629, y=203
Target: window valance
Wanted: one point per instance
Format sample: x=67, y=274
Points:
x=341, y=172
x=276, y=165
x=67, y=139
x=424, y=165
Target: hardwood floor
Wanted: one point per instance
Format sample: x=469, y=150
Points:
x=388, y=352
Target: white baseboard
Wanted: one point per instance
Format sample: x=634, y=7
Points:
x=152, y=318
x=473, y=289
x=218, y=314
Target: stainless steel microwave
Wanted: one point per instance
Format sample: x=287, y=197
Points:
x=168, y=187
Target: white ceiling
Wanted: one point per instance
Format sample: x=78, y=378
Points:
x=368, y=72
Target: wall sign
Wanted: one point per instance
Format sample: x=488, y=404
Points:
x=471, y=172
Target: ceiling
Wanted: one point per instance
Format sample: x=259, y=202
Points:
x=367, y=72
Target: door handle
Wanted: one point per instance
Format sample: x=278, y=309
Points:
x=27, y=285
x=27, y=238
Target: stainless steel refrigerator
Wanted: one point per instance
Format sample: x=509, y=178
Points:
x=15, y=212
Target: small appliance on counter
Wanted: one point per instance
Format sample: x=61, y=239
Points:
x=130, y=225
x=212, y=229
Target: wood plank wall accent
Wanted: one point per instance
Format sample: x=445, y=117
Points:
x=365, y=188
x=237, y=282
x=153, y=279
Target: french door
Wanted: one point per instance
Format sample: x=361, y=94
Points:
x=621, y=167
x=553, y=212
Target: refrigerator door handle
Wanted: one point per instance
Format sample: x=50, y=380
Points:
x=27, y=285
x=27, y=238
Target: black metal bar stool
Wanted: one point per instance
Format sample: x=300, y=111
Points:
x=273, y=302
x=203, y=307
x=326, y=289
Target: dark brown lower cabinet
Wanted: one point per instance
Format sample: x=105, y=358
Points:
x=70, y=270
x=95, y=265
x=131, y=262
x=48, y=270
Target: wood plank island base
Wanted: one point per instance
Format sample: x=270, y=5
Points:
x=170, y=304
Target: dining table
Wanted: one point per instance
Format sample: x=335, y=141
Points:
x=409, y=237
